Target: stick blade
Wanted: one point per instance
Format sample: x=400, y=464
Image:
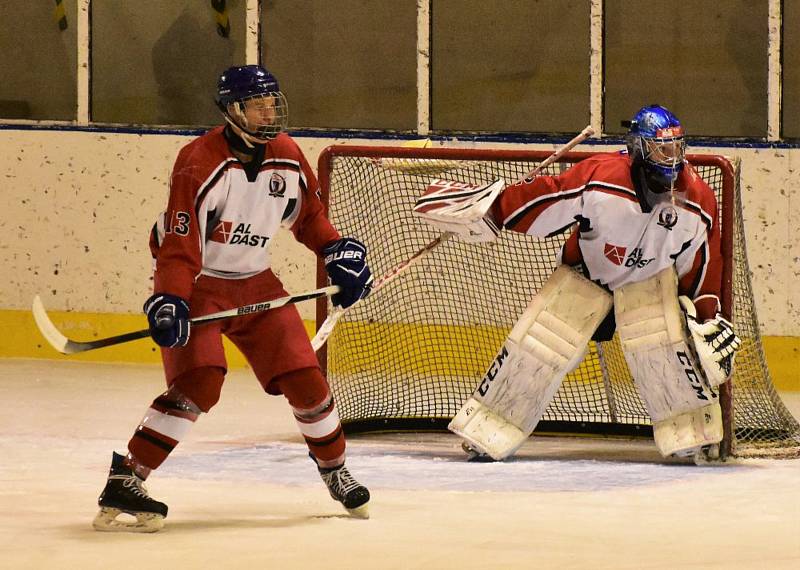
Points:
x=326, y=328
x=49, y=331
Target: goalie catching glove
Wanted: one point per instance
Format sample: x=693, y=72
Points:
x=714, y=341
x=461, y=208
x=346, y=264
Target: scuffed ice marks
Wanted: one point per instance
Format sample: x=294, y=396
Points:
x=288, y=464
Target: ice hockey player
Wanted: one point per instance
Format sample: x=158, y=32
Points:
x=646, y=242
x=231, y=189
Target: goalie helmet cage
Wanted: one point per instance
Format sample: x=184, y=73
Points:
x=409, y=356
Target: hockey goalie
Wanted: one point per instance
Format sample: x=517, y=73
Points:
x=643, y=260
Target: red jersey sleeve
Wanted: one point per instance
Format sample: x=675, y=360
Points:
x=703, y=282
x=312, y=227
x=546, y=205
x=178, y=259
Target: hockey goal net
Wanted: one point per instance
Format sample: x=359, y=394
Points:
x=409, y=356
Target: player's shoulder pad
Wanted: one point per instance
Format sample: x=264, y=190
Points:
x=605, y=160
x=611, y=160
x=696, y=188
x=202, y=155
x=608, y=166
x=211, y=142
x=284, y=145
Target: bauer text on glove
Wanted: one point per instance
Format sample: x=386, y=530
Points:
x=346, y=264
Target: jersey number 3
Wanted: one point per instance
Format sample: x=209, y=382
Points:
x=178, y=223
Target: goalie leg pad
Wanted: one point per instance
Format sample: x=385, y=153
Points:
x=657, y=348
x=548, y=341
x=687, y=434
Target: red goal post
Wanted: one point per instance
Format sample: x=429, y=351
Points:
x=410, y=355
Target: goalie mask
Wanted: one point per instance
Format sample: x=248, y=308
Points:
x=252, y=103
x=656, y=144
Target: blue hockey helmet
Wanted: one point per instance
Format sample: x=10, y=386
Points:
x=252, y=102
x=655, y=136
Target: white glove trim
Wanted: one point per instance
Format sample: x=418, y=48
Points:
x=715, y=343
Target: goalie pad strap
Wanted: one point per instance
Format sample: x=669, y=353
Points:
x=548, y=341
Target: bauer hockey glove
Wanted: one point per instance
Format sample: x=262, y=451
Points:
x=714, y=341
x=346, y=264
x=168, y=317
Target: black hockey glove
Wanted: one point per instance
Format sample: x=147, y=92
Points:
x=168, y=317
x=346, y=264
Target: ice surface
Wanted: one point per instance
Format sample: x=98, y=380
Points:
x=243, y=493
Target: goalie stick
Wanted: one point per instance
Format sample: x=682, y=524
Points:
x=65, y=345
x=327, y=326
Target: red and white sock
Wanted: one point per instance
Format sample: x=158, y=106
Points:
x=315, y=412
x=164, y=425
x=323, y=433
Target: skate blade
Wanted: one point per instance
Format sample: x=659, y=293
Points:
x=106, y=521
x=475, y=456
x=361, y=512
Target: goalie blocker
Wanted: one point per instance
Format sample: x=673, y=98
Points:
x=551, y=338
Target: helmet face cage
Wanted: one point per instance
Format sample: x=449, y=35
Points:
x=262, y=116
x=250, y=99
x=656, y=137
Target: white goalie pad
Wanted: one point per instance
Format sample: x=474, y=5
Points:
x=660, y=356
x=461, y=208
x=549, y=340
x=687, y=434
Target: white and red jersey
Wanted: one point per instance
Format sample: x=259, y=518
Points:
x=222, y=214
x=615, y=240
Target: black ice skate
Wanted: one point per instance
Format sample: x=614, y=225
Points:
x=125, y=493
x=343, y=488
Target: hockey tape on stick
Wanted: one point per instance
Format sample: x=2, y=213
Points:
x=328, y=325
x=65, y=345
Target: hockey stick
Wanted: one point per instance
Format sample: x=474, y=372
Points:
x=569, y=145
x=327, y=326
x=66, y=346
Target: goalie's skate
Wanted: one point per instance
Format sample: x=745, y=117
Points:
x=125, y=494
x=345, y=489
x=475, y=456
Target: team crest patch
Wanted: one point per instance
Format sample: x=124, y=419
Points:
x=277, y=185
x=668, y=217
x=614, y=253
x=222, y=232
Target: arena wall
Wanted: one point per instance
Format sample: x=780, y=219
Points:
x=79, y=207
